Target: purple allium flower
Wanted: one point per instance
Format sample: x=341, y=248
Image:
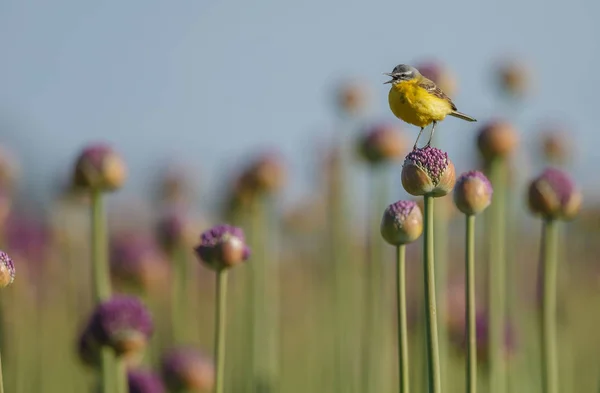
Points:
x=88, y=348
x=98, y=167
x=186, y=369
x=174, y=228
x=381, y=143
x=428, y=171
x=497, y=139
x=472, y=192
x=123, y=323
x=554, y=196
x=137, y=260
x=7, y=270
x=402, y=223
x=142, y=381
x=223, y=246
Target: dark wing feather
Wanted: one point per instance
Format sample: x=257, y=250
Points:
x=436, y=91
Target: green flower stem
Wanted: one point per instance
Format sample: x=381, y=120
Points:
x=430, y=301
x=373, y=336
x=497, y=277
x=122, y=383
x=470, y=302
x=220, y=326
x=180, y=293
x=402, y=324
x=101, y=274
x=549, y=334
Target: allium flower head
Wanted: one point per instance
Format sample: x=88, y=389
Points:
x=497, y=139
x=402, y=223
x=186, y=369
x=136, y=260
x=143, y=381
x=381, y=143
x=472, y=192
x=7, y=270
x=554, y=196
x=122, y=323
x=223, y=246
x=556, y=146
x=98, y=167
x=428, y=171
x=175, y=228
x=265, y=174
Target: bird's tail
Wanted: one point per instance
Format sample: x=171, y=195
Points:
x=461, y=115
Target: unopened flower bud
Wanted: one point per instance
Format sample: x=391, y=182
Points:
x=497, y=139
x=122, y=323
x=143, y=381
x=188, y=370
x=513, y=78
x=554, y=196
x=382, y=143
x=428, y=171
x=98, y=167
x=7, y=270
x=402, y=223
x=472, y=192
x=223, y=246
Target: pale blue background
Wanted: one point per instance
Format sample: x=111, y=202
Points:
x=211, y=81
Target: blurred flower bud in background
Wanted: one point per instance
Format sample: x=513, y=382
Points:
x=556, y=144
x=513, y=77
x=144, y=381
x=352, y=97
x=497, y=139
x=382, y=143
x=99, y=167
x=440, y=74
x=187, y=370
x=553, y=195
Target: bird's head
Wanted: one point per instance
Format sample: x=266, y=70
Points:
x=402, y=72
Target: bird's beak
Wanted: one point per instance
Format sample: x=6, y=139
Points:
x=388, y=74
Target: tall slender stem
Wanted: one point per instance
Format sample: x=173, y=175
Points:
x=101, y=281
x=549, y=333
x=497, y=277
x=220, y=325
x=122, y=382
x=402, y=324
x=470, y=302
x=430, y=301
x=180, y=293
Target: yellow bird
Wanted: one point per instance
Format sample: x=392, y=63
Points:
x=418, y=101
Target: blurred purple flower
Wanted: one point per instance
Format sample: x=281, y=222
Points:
x=143, y=381
x=186, y=369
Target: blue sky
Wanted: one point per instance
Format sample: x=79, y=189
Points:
x=209, y=82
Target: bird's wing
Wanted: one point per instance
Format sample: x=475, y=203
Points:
x=436, y=91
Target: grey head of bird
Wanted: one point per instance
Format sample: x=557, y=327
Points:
x=402, y=72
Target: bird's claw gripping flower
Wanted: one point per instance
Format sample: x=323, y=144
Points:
x=554, y=196
x=99, y=168
x=382, y=143
x=472, y=192
x=186, y=369
x=7, y=270
x=497, y=139
x=222, y=247
x=122, y=323
x=428, y=171
x=402, y=223
x=143, y=381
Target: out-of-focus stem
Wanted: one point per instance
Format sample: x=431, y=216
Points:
x=180, y=292
x=122, y=383
x=471, y=379
x=220, y=325
x=403, y=368
x=372, y=340
x=497, y=277
x=430, y=300
x=101, y=279
x=548, y=331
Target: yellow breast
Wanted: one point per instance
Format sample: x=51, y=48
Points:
x=415, y=105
